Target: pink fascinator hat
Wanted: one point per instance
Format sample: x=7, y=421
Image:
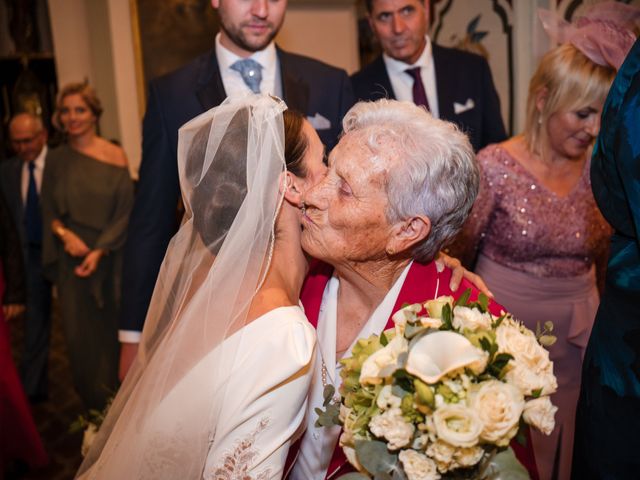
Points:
x=604, y=34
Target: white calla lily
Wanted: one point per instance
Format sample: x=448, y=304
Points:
x=439, y=353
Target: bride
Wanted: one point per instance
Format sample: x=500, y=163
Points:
x=219, y=386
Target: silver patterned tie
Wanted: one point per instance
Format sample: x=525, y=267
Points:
x=251, y=72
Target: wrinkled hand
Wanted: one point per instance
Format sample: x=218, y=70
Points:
x=459, y=272
x=74, y=245
x=128, y=352
x=90, y=264
x=12, y=310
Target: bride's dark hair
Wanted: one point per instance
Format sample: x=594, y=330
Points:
x=219, y=191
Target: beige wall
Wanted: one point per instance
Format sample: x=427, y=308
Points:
x=326, y=30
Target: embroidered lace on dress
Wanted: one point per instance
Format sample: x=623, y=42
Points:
x=237, y=464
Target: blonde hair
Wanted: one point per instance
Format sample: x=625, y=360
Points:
x=571, y=81
x=88, y=95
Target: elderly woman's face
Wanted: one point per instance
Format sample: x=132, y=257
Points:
x=571, y=133
x=345, y=217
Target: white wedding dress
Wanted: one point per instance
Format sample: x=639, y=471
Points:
x=263, y=408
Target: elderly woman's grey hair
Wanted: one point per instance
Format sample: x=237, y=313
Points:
x=438, y=175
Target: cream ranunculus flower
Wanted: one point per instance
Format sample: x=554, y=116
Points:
x=540, y=413
x=457, y=425
x=499, y=406
x=385, y=361
x=471, y=319
x=434, y=307
x=393, y=427
x=418, y=466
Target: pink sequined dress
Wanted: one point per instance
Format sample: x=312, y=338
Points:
x=539, y=253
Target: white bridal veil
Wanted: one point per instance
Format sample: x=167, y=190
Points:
x=163, y=419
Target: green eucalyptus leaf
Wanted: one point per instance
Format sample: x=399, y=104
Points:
x=382, y=476
x=536, y=393
x=328, y=393
x=384, y=341
x=505, y=466
x=547, y=340
x=354, y=476
x=374, y=456
x=548, y=325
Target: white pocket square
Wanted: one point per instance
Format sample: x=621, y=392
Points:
x=319, y=122
x=459, y=108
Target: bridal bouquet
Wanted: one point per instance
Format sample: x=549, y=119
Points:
x=442, y=393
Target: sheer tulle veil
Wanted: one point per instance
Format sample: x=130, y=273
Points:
x=161, y=422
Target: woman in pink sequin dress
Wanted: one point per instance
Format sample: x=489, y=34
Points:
x=535, y=233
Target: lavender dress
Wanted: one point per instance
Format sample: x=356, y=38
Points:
x=539, y=253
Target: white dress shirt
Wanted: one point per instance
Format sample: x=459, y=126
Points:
x=37, y=173
x=318, y=443
x=402, y=82
x=232, y=80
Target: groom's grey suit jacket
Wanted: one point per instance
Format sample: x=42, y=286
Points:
x=309, y=86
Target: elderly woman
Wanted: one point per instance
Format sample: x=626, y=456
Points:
x=86, y=200
x=535, y=229
x=399, y=186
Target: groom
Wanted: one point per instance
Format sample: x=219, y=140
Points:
x=399, y=186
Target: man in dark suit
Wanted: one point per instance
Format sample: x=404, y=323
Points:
x=20, y=184
x=454, y=85
x=244, y=59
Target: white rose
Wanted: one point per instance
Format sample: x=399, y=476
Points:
x=385, y=361
x=387, y=399
x=468, y=457
x=442, y=453
x=540, y=413
x=471, y=319
x=457, y=425
x=418, y=466
x=392, y=426
x=519, y=341
x=499, y=406
x=529, y=381
x=434, y=307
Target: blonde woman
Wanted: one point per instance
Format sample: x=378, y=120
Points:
x=535, y=233
x=86, y=199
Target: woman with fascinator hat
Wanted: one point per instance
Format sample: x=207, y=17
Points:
x=219, y=387
x=535, y=233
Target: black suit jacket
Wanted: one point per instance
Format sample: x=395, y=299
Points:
x=460, y=76
x=309, y=86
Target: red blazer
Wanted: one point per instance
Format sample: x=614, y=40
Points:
x=423, y=282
